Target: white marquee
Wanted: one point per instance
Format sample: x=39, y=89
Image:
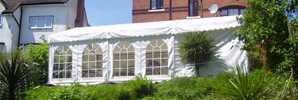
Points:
x=117, y=53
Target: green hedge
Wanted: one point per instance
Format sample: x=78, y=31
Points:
x=73, y=92
x=185, y=88
x=135, y=89
x=179, y=88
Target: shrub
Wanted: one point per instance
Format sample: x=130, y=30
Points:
x=38, y=54
x=183, y=89
x=141, y=87
x=14, y=74
x=256, y=85
x=123, y=92
x=134, y=89
x=104, y=92
x=287, y=89
x=78, y=92
x=73, y=92
x=243, y=86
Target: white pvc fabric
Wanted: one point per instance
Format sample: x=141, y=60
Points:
x=139, y=35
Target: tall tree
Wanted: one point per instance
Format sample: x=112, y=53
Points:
x=265, y=27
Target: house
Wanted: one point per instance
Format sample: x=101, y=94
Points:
x=162, y=10
x=25, y=22
x=117, y=53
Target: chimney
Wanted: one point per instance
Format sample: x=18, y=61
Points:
x=79, y=22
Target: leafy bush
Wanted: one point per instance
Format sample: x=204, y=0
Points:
x=137, y=88
x=38, y=54
x=123, y=92
x=78, y=92
x=287, y=89
x=141, y=87
x=183, y=89
x=104, y=92
x=255, y=85
x=73, y=92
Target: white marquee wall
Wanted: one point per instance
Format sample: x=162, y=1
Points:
x=107, y=47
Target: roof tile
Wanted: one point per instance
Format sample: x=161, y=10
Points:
x=12, y=5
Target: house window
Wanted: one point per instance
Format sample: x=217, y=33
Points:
x=1, y=22
x=241, y=11
x=156, y=4
x=92, y=61
x=2, y=47
x=124, y=60
x=157, y=58
x=62, y=62
x=41, y=22
x=193, y=8
x=232, y=11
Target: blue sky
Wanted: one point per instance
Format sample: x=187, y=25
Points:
x=108, y=12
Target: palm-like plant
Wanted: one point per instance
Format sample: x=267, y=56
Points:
x=243, y=86
x=196, y=48
x=13, y=74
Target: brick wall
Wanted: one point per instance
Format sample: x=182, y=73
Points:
x=142, y=13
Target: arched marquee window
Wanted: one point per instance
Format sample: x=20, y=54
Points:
x=157, y=58
x=62, y=62
x=124, y=60
x=92, y=61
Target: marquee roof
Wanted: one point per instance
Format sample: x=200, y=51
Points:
x=144, y=29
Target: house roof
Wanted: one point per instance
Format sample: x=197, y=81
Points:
x=12, y=5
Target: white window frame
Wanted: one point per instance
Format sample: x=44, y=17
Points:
x=63, y=67
x=124, y=50
x=45, y=26
x=154, y=63
x=98, y=59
